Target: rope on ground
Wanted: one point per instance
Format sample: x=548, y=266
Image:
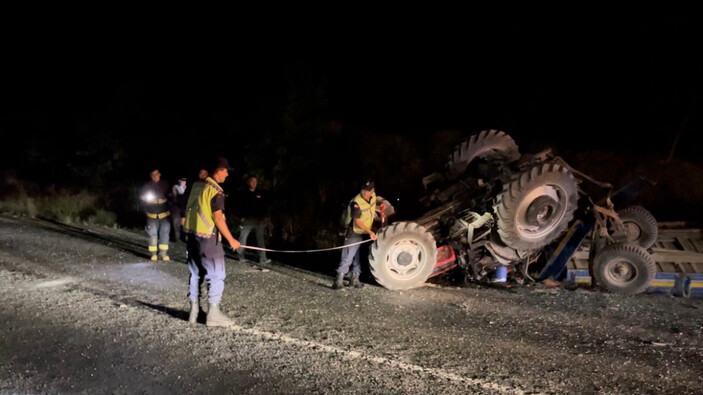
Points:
x=293, y=251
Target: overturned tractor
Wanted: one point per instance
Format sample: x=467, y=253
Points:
x=492, y=207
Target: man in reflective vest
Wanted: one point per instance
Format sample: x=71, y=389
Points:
x=205, y=226
x=360, y=215
x=158, y=226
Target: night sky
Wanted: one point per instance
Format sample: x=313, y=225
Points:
x=157, y=87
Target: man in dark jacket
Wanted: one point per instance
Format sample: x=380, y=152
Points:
x=154, y=198
x=253, y=205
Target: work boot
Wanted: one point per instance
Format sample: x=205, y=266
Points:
x=194, y=311
x=216, y=318
x=165, y=257
x=154, y=258
x=355, y=281
x=339, y=284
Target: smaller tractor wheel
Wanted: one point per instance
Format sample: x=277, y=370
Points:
x=640, y=226
x=625, y=269
x=403, y=256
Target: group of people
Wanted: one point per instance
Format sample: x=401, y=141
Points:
x=164, y=208
x=198, y=213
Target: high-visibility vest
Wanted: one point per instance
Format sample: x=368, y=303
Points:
x=199, y=219
x=368, y=212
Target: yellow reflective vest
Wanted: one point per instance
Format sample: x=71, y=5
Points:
x=199, y=219
x=368, y=212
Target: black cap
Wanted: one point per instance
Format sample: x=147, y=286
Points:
x=222, y=163
x=367, y=185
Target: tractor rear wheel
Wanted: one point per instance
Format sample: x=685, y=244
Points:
x=488, y=144
x=625, y=269
x=536, y=208
x=403, y=256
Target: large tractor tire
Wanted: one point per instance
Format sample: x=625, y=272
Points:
x=640, y=226
x=625, y=269
x=403, y=256
x=536, y=208
x=488, y=144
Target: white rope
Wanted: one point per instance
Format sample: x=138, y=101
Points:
x=292, y=251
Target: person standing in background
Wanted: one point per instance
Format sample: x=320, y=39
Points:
x=154, y=198
x=253, y=209
x=178, y=200
x=202, y=174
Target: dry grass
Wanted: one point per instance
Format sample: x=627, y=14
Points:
x=62, y=206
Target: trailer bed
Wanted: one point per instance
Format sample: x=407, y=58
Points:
x=678, y=254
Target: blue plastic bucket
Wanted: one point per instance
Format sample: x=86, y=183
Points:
x=501, y=274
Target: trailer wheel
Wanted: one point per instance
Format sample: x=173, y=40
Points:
x=489, y=144
x=625, y=269
x=640, y=226
x=536, y=208
x=403, y=256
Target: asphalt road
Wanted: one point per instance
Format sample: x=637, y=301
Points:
x=84, y=311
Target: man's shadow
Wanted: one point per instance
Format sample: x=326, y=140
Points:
x=175, y=313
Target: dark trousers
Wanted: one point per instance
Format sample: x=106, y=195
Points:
x=211, y=270
x=351, y=256
x=258, y=226
x=176, y=225
x=158, y=231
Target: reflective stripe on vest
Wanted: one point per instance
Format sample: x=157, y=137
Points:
x=159, y=215
x=199, y=218
x=368, y=212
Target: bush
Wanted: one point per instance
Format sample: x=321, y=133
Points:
x=67, y=208
x=103, y=217
x=18, y=201
x=61, y=206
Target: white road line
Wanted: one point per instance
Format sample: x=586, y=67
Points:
x=378, y=360
x=54, y=283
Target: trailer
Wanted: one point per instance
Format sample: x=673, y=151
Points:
x=677, y=253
